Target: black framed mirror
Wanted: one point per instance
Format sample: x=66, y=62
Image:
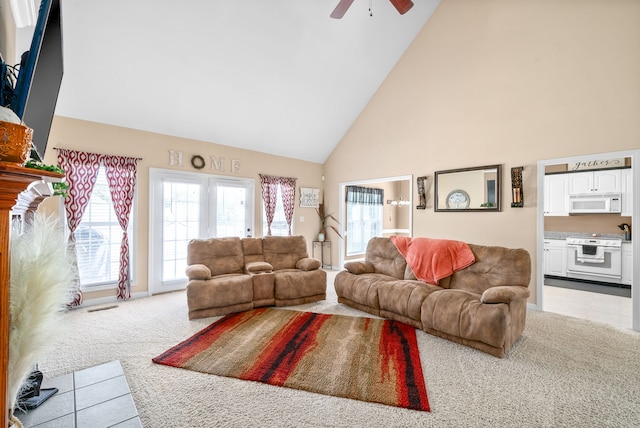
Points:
x=468, y=189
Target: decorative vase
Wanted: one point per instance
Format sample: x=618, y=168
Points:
x=321, y=237
x=15, y=143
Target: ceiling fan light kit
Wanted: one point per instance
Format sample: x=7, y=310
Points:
x=402, y=6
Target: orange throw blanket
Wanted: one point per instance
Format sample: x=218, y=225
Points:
x=433, y=259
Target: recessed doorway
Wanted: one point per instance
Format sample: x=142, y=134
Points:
x=612, y=301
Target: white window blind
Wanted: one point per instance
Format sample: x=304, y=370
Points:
x=98, y=238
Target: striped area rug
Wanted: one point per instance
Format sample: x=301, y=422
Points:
x=360, y=358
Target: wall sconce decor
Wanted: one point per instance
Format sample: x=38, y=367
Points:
x=422, y=193
x=517, y=195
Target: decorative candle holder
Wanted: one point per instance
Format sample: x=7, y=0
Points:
x=517, y=194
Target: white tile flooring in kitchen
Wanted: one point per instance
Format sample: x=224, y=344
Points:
x=605, y=308
x=97, y=397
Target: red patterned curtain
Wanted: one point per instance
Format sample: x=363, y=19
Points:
x=288, y=189
x=121, y=173
x=81, y=170
x=269, y=185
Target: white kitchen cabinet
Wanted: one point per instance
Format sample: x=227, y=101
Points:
x=627, y=192
x=604, y=181
x=555, y=257
x=556, y=202
x=627, y=263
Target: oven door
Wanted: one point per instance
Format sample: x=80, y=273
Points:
x=597, y=264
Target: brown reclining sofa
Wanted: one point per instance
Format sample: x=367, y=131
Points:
x=232, y=274
x=482, y=306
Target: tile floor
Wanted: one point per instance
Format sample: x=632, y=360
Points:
x=97, y=397
x=613, y=310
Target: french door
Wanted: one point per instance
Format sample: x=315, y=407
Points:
x=185, y=206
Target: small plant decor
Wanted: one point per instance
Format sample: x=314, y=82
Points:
x=324, y=219
x=59, y=188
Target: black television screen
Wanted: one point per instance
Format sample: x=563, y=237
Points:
x=40, y=75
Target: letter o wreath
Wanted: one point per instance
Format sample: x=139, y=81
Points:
x=197, y=162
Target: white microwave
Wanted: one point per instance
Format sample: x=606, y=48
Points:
x=593, y=203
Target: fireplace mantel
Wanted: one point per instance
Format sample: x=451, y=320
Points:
x=14, y=180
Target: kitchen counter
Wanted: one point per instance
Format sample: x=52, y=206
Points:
x=565, y=235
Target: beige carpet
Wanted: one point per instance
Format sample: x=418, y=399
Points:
x=563, y=372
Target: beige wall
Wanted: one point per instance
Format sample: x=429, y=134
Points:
x=506, y=82
x=154, y=150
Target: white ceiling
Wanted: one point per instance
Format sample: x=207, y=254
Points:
x=276, y=76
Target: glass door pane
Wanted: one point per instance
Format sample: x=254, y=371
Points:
x=180, y=224
x=185, y=206
x=232, y=208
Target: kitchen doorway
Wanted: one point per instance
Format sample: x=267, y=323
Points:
x=579, y=274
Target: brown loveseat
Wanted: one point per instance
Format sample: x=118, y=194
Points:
x=232, y=274
x=482, y=306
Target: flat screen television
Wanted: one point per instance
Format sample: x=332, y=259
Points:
x=40, y=76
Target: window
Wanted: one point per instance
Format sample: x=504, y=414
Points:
x=98, y=238
x=364, y=217
x=365, y=222
x=279, y=225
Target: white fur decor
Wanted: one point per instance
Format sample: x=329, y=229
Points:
x=41, y=275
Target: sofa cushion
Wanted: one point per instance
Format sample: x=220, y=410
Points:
x=360, y=267
x=361, y=289
x=404, y=297
x=258, y=267
x=460, y=313
x=220, y=255
x=494, y=266
x=386, y=259
x=197, y=271
x=294, y=283
x=283, y=252
x=308, y=263
x=252, y=249
x=223, y=290
x=504, y=294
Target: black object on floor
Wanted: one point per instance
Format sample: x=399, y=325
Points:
x=590, y=286
x=37, y=400
x=31, y=395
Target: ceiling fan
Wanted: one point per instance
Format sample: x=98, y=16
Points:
x=401, y=5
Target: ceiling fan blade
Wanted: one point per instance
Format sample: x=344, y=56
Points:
x=402, y=6
x=342, y=8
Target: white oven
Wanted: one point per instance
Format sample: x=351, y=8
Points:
x=596, y=259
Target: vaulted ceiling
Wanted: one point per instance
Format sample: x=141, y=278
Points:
x=276, y=76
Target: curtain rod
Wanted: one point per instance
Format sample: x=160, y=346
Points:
x=56, y=148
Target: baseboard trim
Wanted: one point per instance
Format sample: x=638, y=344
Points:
x=111, y=299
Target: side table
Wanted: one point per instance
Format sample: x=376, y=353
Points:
x=323, y=246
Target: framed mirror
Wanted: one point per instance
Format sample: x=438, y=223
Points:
x=468, y=189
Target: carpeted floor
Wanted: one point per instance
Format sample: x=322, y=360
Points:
x=563, y=372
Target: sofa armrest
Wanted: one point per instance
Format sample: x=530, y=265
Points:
x=504, y=294
x=358, y=268
x=258, y=267
x=308, y=263
x=198, y=271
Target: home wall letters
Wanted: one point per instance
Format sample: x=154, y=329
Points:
x=176, y=158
